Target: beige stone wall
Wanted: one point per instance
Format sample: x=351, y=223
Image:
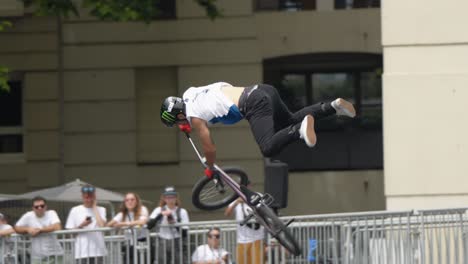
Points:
x=425, y=78
x=9, y=8
x=116, y=74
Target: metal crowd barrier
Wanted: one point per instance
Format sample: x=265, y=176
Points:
x=409, y=237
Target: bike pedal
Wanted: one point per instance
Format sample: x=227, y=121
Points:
x=267, y=199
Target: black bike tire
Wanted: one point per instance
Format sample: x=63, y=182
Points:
x=279, y=230
x=198, y=187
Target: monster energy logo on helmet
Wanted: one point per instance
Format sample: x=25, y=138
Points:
x=168, y=116
x=170, y=109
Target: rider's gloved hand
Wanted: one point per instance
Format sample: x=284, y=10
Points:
x=185, y=127
x=209, y=173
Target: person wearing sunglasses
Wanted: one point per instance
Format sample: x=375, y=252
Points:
x=212, y=252
x=89, y=246
x=45, y=248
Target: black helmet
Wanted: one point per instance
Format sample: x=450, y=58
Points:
x=170, y=108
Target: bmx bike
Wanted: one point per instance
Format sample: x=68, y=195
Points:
x=212, y=193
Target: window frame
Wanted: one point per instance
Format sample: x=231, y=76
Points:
x=301, y=158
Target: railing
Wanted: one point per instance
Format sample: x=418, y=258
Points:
x=413, y=237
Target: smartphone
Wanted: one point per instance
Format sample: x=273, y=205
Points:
x=88, y=218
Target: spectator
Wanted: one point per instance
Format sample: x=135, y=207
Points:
x=5, y=228
x=169, y=241
x=250, y=246
x=7, y=249
x=45, y=248
x=211, y=253
x=89, y=246
x=134, y=215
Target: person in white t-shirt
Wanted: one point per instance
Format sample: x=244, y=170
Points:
x=133, y=214
x=6, y=243
x=170, y=238
x=5, y=229
x=273, y=125
x=45, y=248
x=211, y=253
x=89, y=246
x=250, y=237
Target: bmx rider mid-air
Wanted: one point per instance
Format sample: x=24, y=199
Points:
x=272, y=123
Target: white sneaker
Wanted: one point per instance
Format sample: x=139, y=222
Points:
x=343, y=108
x=307, y=131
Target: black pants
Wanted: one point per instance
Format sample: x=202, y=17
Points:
x=272, y=124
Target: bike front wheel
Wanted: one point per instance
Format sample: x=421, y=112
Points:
x=277, y=229
x=207, y=194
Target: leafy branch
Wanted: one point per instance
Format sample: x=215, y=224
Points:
x=4, y=70
x=114, y=10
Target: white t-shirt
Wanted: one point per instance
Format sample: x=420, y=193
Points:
x=210, y=104
x=44, y=244
x=206, y=253
x=8, y=246
x=246, y=234
x=171, y=232
x=89, y=244
x=130, y=217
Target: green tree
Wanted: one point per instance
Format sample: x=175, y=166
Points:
x=114, y=10
x=4, y=70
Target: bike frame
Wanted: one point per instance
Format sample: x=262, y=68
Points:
x=237, y=189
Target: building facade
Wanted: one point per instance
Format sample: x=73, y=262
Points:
x=425, y=84
x=88, y=93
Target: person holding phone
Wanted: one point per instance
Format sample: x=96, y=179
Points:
x=89, y=246
x=172, y=238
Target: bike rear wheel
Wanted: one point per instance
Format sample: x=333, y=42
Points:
x=278, y=229
x=207, y=195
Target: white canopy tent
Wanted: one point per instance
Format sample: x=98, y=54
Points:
x=71, y=192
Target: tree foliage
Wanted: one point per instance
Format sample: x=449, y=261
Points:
x=4, y=70
x=114, y=10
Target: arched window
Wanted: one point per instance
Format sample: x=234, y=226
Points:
x=343, y=143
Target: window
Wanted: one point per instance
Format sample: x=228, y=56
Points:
x=286, y=5
x=349, y=4
x=11, y=121
x=343, y=143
